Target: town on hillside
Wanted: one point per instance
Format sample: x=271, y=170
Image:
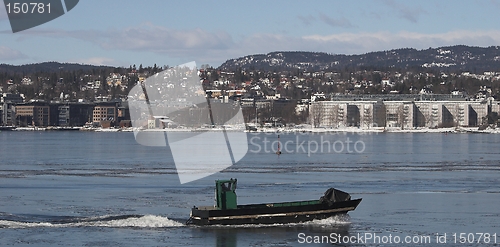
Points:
x=405, y=98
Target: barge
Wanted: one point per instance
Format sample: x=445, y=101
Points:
x=227, y=212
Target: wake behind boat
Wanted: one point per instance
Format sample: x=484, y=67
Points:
x=227, y=212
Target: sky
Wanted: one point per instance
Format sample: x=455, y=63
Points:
x=167, y=32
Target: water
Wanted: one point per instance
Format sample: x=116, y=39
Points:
x=103, y=189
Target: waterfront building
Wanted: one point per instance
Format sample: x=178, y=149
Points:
x=400, y=114
x=105, y=114
x=7, y=109
x=74, y=114
x=33, y=114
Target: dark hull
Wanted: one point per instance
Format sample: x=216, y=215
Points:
x=267, y=214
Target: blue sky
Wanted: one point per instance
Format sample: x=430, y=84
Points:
x=165, y=32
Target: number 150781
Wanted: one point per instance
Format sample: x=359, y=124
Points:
x=28, y=8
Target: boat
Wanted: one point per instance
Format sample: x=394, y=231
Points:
x=226, y=211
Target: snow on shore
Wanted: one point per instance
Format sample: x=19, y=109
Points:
x=299, y=129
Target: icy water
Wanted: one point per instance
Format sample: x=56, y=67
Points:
x=103, y=189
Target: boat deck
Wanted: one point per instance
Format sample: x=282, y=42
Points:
x=279, y=204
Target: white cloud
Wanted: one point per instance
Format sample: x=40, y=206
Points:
x=366, y=42
x=330, y=21
x=145, y=38
x=216, y=47
x=352, y=43
x=8, y=54
x=150, y=37
x=100, y=61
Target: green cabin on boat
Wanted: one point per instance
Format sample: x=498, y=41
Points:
x=225, y=193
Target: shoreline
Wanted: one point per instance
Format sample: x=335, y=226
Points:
x=473, y=130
